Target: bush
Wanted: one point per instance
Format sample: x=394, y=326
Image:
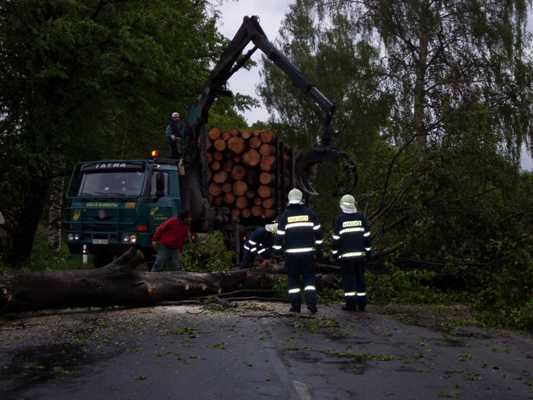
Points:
x=507, y=297
x=208, y=254
x=45, y=259
x=412, y=286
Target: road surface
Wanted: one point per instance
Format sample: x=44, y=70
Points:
x=259, y=351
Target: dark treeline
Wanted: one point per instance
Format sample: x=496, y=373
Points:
x=82, y=80
x=434, y=103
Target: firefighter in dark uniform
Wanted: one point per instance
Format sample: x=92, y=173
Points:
x=259, y=244
x=298, y=234
x=351, y=245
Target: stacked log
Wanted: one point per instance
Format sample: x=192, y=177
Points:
x=242, y=172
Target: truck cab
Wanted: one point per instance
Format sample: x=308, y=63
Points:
x=114, y=204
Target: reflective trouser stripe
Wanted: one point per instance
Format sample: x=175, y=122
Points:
x=319, y=241
x=309, y=288
x=368, y=248
x=353, y=254
x=366, y=234
x=335, y=237
x=252, y=242
x=316, y=227
x=280, y=232
x=300, y=250
x=350, y=230
x=349, y=294
x=261, y=251
x=292, y=291
x=334, y=251
x=253, y=250
x=246, y=247
x=361, y=294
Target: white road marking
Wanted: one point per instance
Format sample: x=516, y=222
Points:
x=302, y=390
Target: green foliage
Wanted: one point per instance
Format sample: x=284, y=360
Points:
x=506, y=297
x=91, y=80
x=45, y=259
x=208, y=254
x=452, y=197
x=407, y=287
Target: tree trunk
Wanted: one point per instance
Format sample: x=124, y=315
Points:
x=118, y=283
x=420, y=90
x=27, y=220
x=122, y=284
x=55, y=212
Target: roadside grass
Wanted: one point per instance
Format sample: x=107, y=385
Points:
x=45, y=259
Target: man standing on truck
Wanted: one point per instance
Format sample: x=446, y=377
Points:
x=298, y=233
x=259, y=244
x=175, y=132
x=351, y=245
x=168, y=240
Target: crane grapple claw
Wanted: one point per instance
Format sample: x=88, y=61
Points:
x=307, y=162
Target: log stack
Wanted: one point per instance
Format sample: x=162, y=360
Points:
x=242, y=176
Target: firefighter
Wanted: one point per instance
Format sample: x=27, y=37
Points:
x=351, y=245
x=259, y=244
x=174, y=133
x=298, y=234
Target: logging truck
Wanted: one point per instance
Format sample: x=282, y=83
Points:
x=225, y=180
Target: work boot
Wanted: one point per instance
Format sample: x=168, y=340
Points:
x=350, y=305
x=361, y=308
x=296, y=302
x=312, y=309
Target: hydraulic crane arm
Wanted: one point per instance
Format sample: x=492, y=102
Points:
x=231, y=61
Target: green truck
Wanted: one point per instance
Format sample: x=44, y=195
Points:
x=114, y=204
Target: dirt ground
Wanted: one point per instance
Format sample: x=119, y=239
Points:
x=258, y=349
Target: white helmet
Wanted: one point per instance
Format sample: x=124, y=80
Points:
x=295, y=196
x=347, y=204
x=175, y=115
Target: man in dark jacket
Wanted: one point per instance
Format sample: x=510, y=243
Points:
x=175, y=132
x=168, y=240
x=298, y=234
x=351, y=244
x=259, y=244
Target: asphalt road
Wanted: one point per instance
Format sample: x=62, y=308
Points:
x=259, y=351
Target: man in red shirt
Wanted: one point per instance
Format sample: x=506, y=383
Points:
x=169, y=239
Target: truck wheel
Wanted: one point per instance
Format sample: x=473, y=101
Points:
x=102, y=259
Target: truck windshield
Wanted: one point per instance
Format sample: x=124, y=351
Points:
x=111, y=183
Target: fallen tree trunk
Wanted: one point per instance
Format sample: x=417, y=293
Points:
x=121, y=283
x=118, y=283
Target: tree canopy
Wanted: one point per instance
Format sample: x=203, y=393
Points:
x=434, y=104
x=88, y=80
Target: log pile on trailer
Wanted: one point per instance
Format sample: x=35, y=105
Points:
x=249, y=171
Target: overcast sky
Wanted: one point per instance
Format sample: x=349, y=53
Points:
x=271, y=14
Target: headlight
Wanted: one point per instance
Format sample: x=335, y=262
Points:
x=129, y=238
x=76, y=237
